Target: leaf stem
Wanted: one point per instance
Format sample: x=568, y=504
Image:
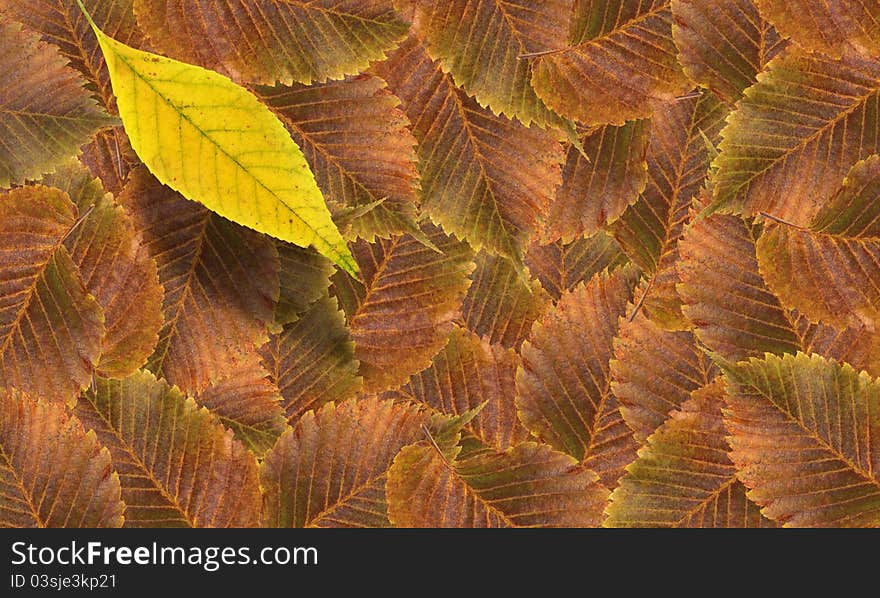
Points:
x=779, y=220
x=539, y=54
x=86, y=14
x=435, y=445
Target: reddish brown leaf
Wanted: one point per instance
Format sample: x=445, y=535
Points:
x=472, y=374
x=529, y=485
x=50, y=327
x=500, y=306
x=247, y=402
x=52, y=472
x=330, y=470
x=401, y=316
x=564, y=384
x=312, y=361
x=220, y=279
x=485, y=179
x=178, y=466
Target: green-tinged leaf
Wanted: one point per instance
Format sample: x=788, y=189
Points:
x=83, y=189
x=357, y=142
x=178, y=466
x=529, y=485
x=723, y=44
x=446, y=432
x=683, y=476
x=50, y=327
x=330, y=470
x=650, y=230
x=116, y=270
x=52, y=472
x=485, y=179
x=796, y=134
x=804, y=433
x=45, y=112
x=483, y=45
x=471, y=373
x=312, y=361
x=304, y=277
x=564, y=385
x=736, y=316
x=562, y=266
x=60, y=22
x=599, y=181
x=264, y=41
x=833, y=27
x=620, y=57
x=500, y=306
x=654, y=372
x=214, y=142
x=248, y=403
x=220, y=280
x=401, y=316
x=830, y=272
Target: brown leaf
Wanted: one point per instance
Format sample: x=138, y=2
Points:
x=564, y=386
x=804, y=432
x=401, y=316
x=116, y=270
x=831, y=27
x=654, y=371
x=108, y=155
x=52, y=472
x=736, y=316
x=482, y=45
x=312, y=361
x=304, y=277
x=264, y=41
x=472, y=374
x=500, y=306
x=599, y=184
x=723, y=44
x=683, y=476
x=247, y=402
x=828, y=121
x=45, y=113
x=330, y=470
x=220, y=279
x=178, y=466
x=620, y=57
x=649, y=231
x=485, y=179
x=357, y=142
x=830, y=271
x=529, y=485
x=50, y=327
x=562, y=266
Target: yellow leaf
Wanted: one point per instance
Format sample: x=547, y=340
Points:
x=215, y=143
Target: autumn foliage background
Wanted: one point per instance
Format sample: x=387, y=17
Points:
x=620, y=266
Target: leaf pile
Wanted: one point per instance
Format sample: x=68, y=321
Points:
x=593, y=262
